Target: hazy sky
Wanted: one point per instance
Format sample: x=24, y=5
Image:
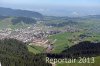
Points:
x=52, y=6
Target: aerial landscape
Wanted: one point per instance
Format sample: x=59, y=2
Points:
x=50, y=33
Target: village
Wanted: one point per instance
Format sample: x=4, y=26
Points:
x=34, y=35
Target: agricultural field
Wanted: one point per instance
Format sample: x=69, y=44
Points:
x=35, y=49
x=62, y=40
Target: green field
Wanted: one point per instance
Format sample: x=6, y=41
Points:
x=7, y=23
x=35, y=49
x=62, y=41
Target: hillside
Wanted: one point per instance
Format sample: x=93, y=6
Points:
x=19, y=13
x=15, y=53
x=88, y=51
x=16, y=22
x=83, y=49
x=25, y=20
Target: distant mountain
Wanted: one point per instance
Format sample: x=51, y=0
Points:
x=94, y=16
x=19, y=13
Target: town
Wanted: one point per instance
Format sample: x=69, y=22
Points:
x=35, y=35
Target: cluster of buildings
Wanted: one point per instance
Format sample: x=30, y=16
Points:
x=34, y=35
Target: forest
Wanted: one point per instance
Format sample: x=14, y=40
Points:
x=15, y=53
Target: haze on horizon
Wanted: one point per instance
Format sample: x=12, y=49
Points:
x=56, y=7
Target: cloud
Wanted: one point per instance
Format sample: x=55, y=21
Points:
x=41, y=10
x=75, y=14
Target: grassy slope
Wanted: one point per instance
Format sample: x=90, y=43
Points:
x=6, y=23
x=93, y=26
x=62, y=41
x=35, y=49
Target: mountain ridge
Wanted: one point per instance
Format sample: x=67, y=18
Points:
x=19, y=13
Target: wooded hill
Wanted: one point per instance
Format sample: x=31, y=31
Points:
x=15, y=53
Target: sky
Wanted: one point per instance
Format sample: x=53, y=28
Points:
x=55, y=7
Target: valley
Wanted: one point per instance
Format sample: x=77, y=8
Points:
x=51, y=36
x=66, y=31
